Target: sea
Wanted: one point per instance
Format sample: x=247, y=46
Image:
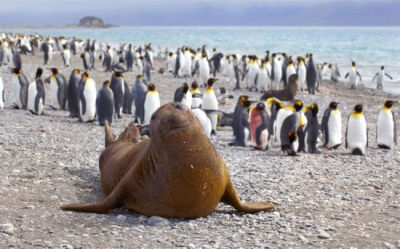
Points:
x=370, y=47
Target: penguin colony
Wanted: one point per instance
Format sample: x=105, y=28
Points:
x=290, y=125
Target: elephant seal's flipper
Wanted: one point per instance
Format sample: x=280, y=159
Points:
x=109, y=136
x=232, y=198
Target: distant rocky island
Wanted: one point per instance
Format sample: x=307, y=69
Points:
x=93, y=22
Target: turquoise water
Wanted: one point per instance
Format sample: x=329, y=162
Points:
x=370, y=47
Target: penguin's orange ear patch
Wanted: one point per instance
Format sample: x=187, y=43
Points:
x=20, y=70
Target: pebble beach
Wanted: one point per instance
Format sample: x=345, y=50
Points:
x=326, y=200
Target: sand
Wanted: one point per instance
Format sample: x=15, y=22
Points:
x=327, y=200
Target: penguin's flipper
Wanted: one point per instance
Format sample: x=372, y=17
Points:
x=232, y=198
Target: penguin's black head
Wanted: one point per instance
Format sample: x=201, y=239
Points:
x=211, y=81
x=358, y=108
x=170, y=54
x=389, y=103
x=204, y=55
x=214, y=49
x=353, y=63
x=382, y=67
x=16, y=70
x=310, y=55
x=195, y=85
x=54, y=70
x=85, y=75
x=273, y=55
x=277, y=105
x=284, y=54
x=333, y=105
x=267, y=52
x=243, y=98
x=39, y=72
x=106, y=83
x=118, y=74
x=260, y=106
x=185, y=87
x=151, y=87
x=298, y=105
x=246, y=103
x=139, y=77
x=314, y=109
x=330, y=66
x=64, y=46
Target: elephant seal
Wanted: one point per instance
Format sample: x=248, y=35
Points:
x=176, y=173
x=286, y=94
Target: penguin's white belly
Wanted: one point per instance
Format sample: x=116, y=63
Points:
x=1, y=94
x=334, y=129
x=32, y=92
x=204, y=71
x=196, y=102
x=277, y=74
x=289, y=72
x=151, y=104
x=357, y=133
x=231, y=75
x=210, y=102
x=16, y=88
x=204, y=120
x=262, y=80
x=264, y=139
x=385, y=129
x=302, y=76
x=187, y=99
x=53, y=92
x=353, y=79
x=89, y=94
x=247, y=141
x=67, y=55
x=282, y=115
x=251, y=77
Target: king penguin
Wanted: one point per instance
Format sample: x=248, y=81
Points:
x=87, y=99
x=138, y=94
x=36, y=94
x=118, y=88
x=58, y=89
x=386, y=134
x=259, y=126
x=72, y=88
x=301, y=72
x=357, y=132
x=210, y=103
x=204, y=120
x=354, y=76
x=241, y=125
x=151, y=103
x=312, y=129
x=197, y=97
x=380, y=78
x=204, y=70
x=183, y=95
x=105, y=104
x=289, y=130
x=282, y=114
x=311, y=75
x=66, y=55
x=331, y=126
x=276, y=74
x=19, y=86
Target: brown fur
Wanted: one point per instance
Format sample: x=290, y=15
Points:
x=286, y=94
x=175, y=173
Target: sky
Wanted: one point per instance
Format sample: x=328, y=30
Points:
x=203, y=12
